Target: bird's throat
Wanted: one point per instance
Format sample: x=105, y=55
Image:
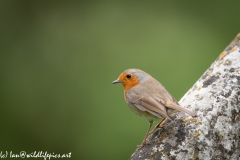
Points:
x=129, y=84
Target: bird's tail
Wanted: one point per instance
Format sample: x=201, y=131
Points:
x=179, y=108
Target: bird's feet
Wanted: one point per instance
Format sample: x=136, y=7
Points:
x=144, y=143
x=155, y=129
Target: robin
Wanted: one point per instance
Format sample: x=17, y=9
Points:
x=148, y=98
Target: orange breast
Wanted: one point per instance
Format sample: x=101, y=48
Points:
x=127, y=84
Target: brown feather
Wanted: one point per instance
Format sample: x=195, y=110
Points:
x=154, y=107
x=179, y=108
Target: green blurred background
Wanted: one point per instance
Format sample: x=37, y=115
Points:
x=58, y=59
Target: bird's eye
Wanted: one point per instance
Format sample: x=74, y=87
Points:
x=129, y=76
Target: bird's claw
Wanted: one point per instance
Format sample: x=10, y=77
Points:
x=143, y=144
x=155, y=129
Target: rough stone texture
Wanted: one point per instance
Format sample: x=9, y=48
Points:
x=215, y=133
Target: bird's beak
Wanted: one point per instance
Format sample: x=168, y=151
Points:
x=117, y=81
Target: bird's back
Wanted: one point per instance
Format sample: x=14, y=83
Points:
x=151, y=87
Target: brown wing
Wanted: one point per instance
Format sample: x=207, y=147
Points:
x=150, y=105
x=175, y=105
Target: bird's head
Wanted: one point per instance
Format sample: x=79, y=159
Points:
x=131, y=77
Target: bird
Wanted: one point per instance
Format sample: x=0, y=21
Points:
x=148, y=98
